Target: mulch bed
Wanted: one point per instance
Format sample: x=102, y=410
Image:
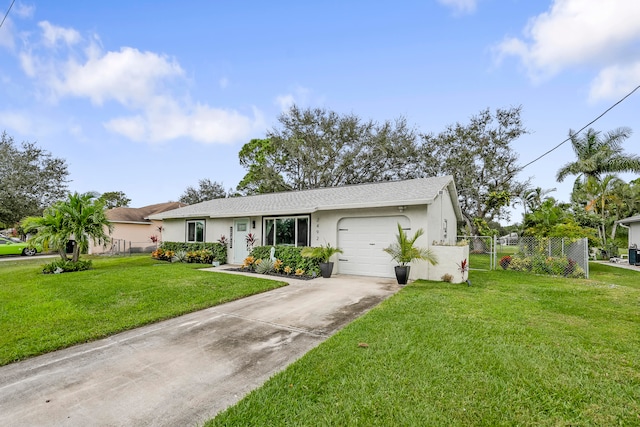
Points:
x=290, y=276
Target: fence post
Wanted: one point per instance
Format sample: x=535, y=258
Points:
x=585, y=245
x=494, y=252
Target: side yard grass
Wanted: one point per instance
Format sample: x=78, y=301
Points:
x=41, y=313
x=513, y=349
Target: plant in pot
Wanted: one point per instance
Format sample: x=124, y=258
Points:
x=404, y=251
x=322, y=254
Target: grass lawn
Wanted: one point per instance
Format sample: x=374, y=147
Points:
x=513, y=349
x=40, y=313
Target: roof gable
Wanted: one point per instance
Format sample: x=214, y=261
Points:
x=387, y=193
x=125, y=214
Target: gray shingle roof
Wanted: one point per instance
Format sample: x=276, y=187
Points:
x=389, y=193
x=125, y=214
x=630, y=220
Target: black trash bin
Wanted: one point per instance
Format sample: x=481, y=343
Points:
x=72, y=243
x=637, y=262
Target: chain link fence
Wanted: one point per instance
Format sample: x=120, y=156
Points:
x=482, y=251
x=559, y=256
x=127, y=247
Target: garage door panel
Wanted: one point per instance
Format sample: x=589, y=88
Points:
x=363, y=240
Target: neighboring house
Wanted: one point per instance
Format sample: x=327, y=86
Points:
x=633, y=224
x=359, y=219
x=132, y=228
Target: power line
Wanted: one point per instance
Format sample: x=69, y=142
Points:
x=584, y=127
x=7, y=14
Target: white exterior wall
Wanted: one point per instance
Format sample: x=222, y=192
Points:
x=634, y=234
x=324, y=228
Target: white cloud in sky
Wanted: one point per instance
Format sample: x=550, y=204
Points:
x=23, y=10
x=285, y=101
x=578, y=33
x=460, y=6
x=142, y=83
x=615, y=81
x=52, y=34
x=300, y=96
x=201, y=123
x=129, y=76
x=19, y=121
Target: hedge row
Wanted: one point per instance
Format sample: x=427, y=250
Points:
x=219, y=249
x=290, y=257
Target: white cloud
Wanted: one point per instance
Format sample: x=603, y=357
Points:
x=18, y=121
x=615, y=81
x=461, y=6
x=129, y=76
x=576, y=33
x=52, y=34
x=285, y=101
x=201, y=123
x=145, y=84
x=7, y=31
x=22, y=10
x=300, y=96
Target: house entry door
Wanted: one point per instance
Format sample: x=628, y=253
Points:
x=240, y=231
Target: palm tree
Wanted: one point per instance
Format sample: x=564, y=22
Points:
x=599, y=154
x=50, y=229
x=404, y=250
x=80, y=217
x=603, y=198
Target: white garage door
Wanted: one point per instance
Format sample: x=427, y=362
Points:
x=363, y=241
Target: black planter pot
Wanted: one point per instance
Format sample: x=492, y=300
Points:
x=326, y=268
x=402, y=274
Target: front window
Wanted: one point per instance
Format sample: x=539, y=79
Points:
x=195, y=231
x=287, y=231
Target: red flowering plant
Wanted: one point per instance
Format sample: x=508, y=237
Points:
x=463, y=267
x=251, y=240
x=505, y=261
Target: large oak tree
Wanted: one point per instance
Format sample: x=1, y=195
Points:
x=30, y=180
x=316, y=147
x=480, y=156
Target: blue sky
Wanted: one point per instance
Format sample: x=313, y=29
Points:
x=148, y=97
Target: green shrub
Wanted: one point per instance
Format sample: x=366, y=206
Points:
x=163, y=254
x=179, y=256
x=264, y=267
x=60, y=266
x=203, y=256
x=217, y=250
x=555, y=266
x=290, y=257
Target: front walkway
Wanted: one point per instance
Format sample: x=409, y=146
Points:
x=183, y=371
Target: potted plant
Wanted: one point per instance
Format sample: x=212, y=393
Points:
x=404, y=251
x=322, y=254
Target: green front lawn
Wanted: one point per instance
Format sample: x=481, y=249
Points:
x=40, y=313
x=513, y=349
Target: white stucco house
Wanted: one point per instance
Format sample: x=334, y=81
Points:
x=359, y=219
x=633, y=224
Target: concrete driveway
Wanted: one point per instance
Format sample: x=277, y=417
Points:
x=183, y=371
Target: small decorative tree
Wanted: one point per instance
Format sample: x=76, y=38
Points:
x=404, y=251
x=323, y=254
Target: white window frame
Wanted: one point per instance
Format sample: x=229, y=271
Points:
x=275, y=222
x=195, y=231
